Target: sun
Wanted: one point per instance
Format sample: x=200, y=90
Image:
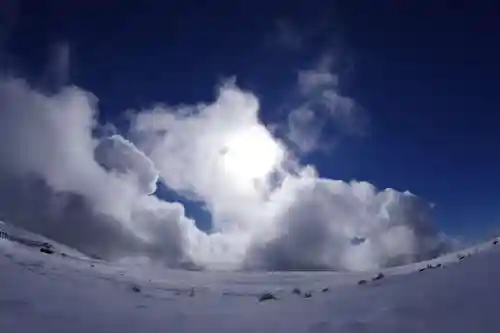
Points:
x=251, y=154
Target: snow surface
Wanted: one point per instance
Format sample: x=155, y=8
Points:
x=55, y=293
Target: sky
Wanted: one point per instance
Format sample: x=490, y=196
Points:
x=399, y=94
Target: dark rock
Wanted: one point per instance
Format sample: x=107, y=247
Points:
x=422, y=269
x=47, y=251
x=64, y=254
x=308, y=294
x=379, y=276
x=438, y=266
x=267, y=297
x=136, y=288
x=296, y=291
x=362, y=282
x=495, y=242
x=325, y=290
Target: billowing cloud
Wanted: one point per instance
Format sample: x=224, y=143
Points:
x=286, y=217
x=119, y=155
x=333, y=224
x=216, y=153
x=51, y=183
x=268, y=210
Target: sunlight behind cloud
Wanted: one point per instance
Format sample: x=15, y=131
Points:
x=268, y=211
x=251, y=154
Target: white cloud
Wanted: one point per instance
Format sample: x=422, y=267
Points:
x=120, y=155
x=268, y=210
x=217, y=153
x=315, y=228
x=304, y=129
x=322, y=104
x=302, y=221
x=51, y=183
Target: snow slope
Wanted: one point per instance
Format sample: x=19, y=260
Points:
x=52, y=293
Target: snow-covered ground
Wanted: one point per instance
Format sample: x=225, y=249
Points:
x=54, y=293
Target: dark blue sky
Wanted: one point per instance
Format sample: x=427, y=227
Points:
x=427, y=72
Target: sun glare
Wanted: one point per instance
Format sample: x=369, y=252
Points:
x=251, y=154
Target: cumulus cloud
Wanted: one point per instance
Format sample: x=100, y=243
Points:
x=119, y=155
x=268, y=211
x=299, y=221
x=51, y=183
x=218, y=153
x=333, y=224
